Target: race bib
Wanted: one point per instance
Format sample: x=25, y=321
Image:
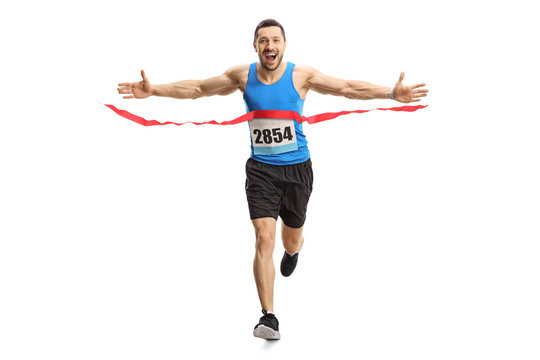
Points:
x=272, y=136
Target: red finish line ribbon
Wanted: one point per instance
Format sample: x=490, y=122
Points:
x=257, y=114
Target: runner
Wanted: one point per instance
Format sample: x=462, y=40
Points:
x=279, y=176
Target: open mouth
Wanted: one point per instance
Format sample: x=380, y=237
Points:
x=270, y=56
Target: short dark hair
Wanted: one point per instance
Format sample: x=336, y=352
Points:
x=267, y=23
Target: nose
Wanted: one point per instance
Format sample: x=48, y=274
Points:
x=270, y=47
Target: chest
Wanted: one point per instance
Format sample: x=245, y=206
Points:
x=299, y=80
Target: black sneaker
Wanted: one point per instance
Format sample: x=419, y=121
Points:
x=288, y=263
x=268, y=327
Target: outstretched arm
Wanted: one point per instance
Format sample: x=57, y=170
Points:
x=355, y=89
x=224, y=84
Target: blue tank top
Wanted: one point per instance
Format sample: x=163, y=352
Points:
x=281, y=95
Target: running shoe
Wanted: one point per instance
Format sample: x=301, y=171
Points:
x=288, y=264
x=268, y=327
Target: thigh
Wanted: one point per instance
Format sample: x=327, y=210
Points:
x=265, y=232
x=296, y=188
x=262, y=190
x=265, y=225
x=290, y=234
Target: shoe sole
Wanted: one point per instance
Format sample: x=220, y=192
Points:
x=264, y=332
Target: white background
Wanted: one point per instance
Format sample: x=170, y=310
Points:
x=120, y=241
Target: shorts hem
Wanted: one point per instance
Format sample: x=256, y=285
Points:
x=263, y=216
x=293, y=227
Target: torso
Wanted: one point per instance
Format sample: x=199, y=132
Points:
x=276, y=90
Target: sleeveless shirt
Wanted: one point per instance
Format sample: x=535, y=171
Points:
x=281, y=95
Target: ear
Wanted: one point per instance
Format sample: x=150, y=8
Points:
x=255, y=47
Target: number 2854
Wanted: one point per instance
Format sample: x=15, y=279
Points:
x=267, y=136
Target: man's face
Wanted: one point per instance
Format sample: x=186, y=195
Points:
x=270, y=47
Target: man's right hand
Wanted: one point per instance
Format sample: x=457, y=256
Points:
x=136, y=90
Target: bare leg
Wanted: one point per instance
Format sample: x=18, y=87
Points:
x=263, y=264
x=292, y=238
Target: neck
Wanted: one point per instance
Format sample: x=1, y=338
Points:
x=271, y=76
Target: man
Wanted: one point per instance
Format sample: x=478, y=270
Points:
x=279, y=175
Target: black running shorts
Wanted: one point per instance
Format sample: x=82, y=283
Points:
x=279, y=190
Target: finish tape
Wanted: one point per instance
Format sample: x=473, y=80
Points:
x=258, y=114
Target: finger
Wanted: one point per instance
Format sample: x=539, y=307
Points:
x=143, y=75
x=125, y=84
x=124, y=91
x=419, y=95
x=129, y=97
x=418, y=85
x=420, y=91
x=401, y=76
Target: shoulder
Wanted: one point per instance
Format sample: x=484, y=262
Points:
x=303, y=75
x=304, y=70
x=238, y=72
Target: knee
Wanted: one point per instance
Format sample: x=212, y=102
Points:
x=293, y=244
x=264, y=243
